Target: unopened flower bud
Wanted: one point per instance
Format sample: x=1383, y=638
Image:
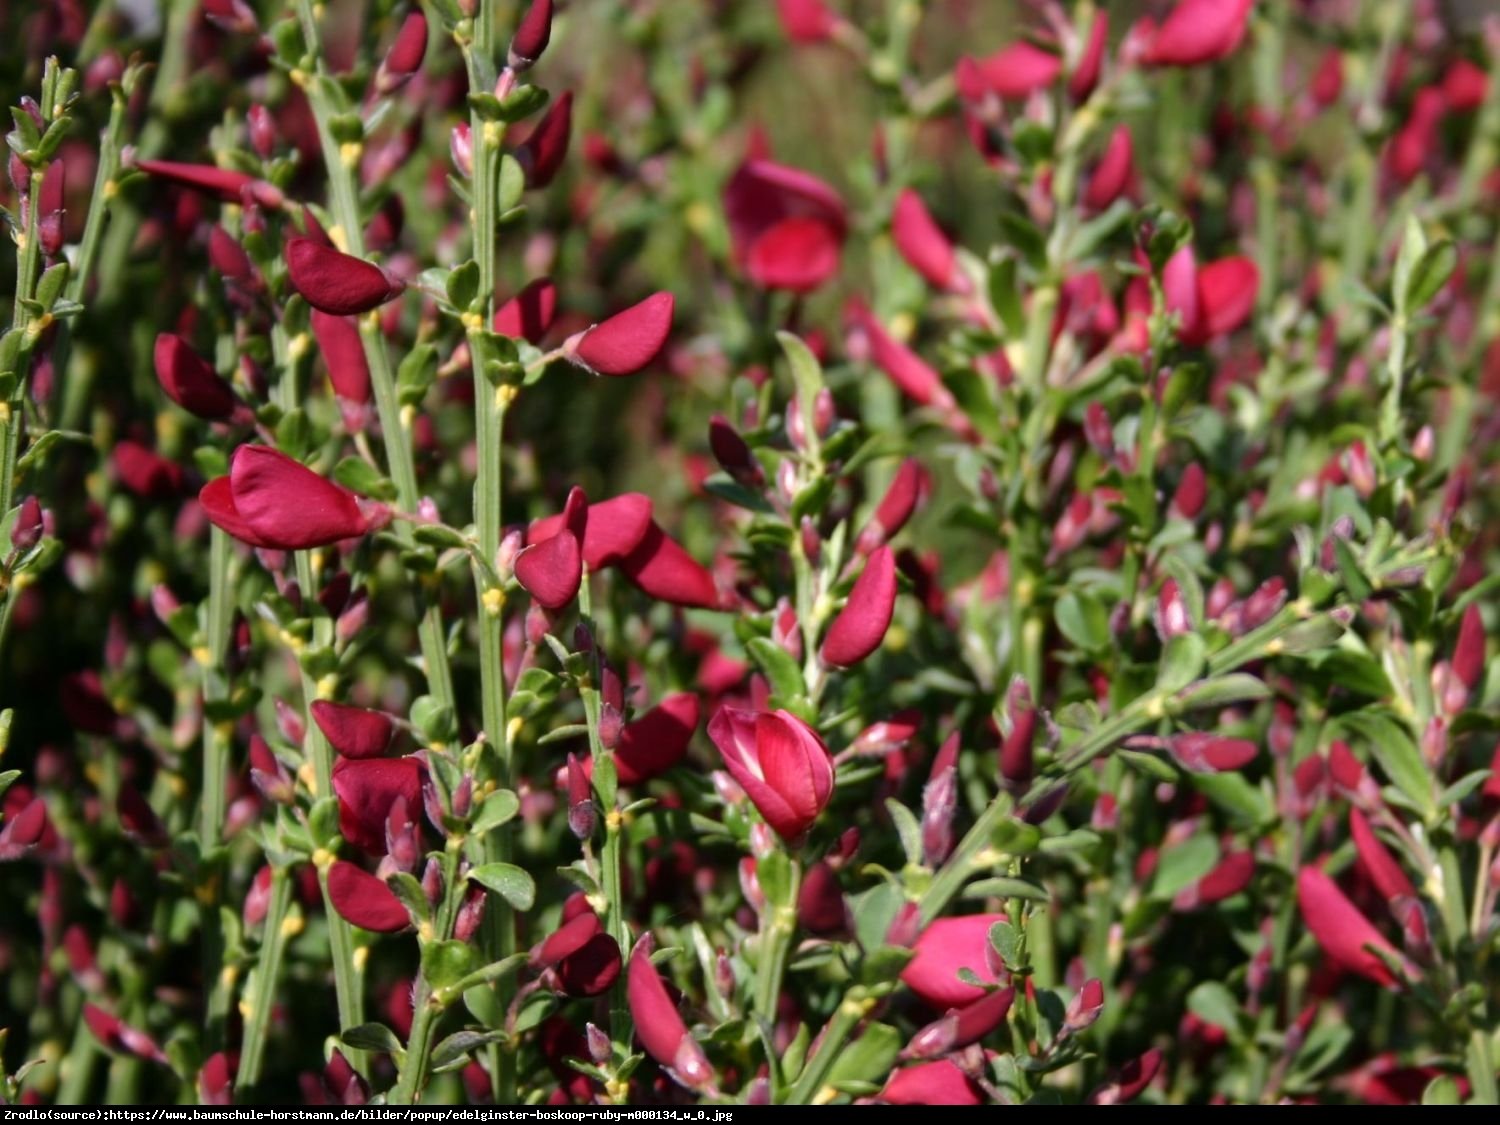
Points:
x=470, y=915
x=461, y=149
x=600, y=1048
x=26, y=532
x=581, y=813
x=432, y=882
x=262, y=128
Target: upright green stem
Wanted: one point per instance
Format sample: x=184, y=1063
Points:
x=852, y=1008
x=216, y=734
x=776, y=948
x=341, y=162
x=267, y=974
x=427, y=1009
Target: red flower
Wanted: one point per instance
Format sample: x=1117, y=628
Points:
x=1085, y=74
x=944, y=947
x=657, y=741
x=931, y=1083
x=1129, y=1080
x=338, y=283
x=1339, y=927
x=551, y=571
x=1200, y=752
x=658, y=1024
x=541, y=154
x=912, y=375
x=270, y=500
x=806, y=21
x=661, y=567
x=861, y=625
x=611, y=528
x=353, y=731
x=1198, y=31
x=344, y=354
x=924, y=246
x=1016, y=71
x=365, y=901
x=1376, y=861
x=529, y=314
x=627, y=341
x=585, y=959
x=119, y=1036
x=780, y=763
x=787, y=226
x=1113, y=174
x=366, y=789
x=144, y=471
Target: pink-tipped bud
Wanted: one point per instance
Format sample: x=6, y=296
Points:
x=732, y=454
x=532, y=35
x=580, y=800
x=404, y=58
x=461, y=149
x=908, y=489
x=30, y=523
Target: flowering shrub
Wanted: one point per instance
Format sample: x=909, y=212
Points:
x=818, y=552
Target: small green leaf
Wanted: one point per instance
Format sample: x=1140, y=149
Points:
x=1005, y=939
x=1083, y=619
x=1181, y=662
x=1213, y=1003
x=507, y=880
x=781, y=671
x=358, y=475
x=500, y=807
x=868, y=1059
x=445, y=963
x=1183, y=865
x=371, y=1037
x=1442, y=1090
x=456, y=1048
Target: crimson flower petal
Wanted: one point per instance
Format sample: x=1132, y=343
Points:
x=365, y=901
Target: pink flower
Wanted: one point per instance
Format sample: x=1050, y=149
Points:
x=861, y=625
x=353, y=731
x=924, y=246
x=1113, y=174
x=912, y=376
x=944, y=947
x=1085, y=74
x=1339, y=927
x=1200, y=752
x=1016, y=71
x=780, y=763
x=627, y=341
x=1129, y=1080
x=223, y=184
x=1198, y=31
x=344, y=355
x=1376, y=861
x=657, y=741
x=612, y=528
x=551, y=571
x=1211, y=301
x=365, y=901
x=806, y=21
x=270, y=500
x=931, y=1083
x=585, y=959
x=787, y=227
x=661, y=567
x=658, y=1025
x=117, y=1035
x=338, y=283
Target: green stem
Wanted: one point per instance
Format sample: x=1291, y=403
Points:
x=852, y=1008
x=776, y=948
x=1480, y=1062
x=427, y=1009
x=343, y=198
x=267, y=973
x=216, y=734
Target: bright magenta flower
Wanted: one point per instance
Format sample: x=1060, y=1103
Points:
x=1340, y=928
x=931, y=1083
x=944, y=947
x=780, y=763
x=787, y=226
x=270, y=500
x=1198, y=31
x=924, y=246
x=627, y=341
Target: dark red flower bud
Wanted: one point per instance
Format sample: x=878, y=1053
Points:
x=224, y=184
x=530, y=313
x=732, y=454
x=543, y=151
x=627, y=341
x=365, y=901
x=659, y=1026
x=268, y=775
x=338, y=283
x=820, y=902
x=26, y=532
x=908, y=489
x=1016, y=749
x=584, y=959
x=191, y=383
x=344, y=355
x=1130, y=1079
x=270, y=500
x=353, y=731
x=1468, y=651
x=580, y=800
x=144, y=471
x=470, y=914
x=404, y=58
x=861, y=625
x=115, y=1035
x=235, y=16
x=1084, y=1008
x=532, y=35
x=1085, y=76
x=262, y=128
x=1351, y=777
